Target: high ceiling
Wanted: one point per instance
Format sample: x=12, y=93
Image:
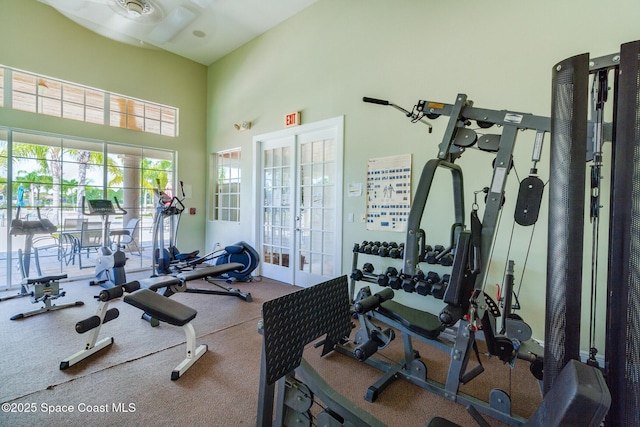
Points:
x=200, y=30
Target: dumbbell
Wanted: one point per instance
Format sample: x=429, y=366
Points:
x=396, y=281
x=409, y=283
x=362, y=246
x=383, y=251
x=425, y=251
x=432, y=256
x=358, y=274
x=446, y=260
x=425, y=286
x=397, y=252
x=438, y=289
x=383, y=279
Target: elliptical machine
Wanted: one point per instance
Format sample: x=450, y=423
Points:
x=109, y=270
x=168, y=260
x=170, y=208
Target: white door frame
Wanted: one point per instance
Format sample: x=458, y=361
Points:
x=336, y=123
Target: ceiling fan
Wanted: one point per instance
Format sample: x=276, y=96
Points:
x=138, y=22
x=136, y=8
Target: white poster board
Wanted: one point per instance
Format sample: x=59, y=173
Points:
x=388, y=193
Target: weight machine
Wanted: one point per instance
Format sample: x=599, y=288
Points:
x=454, y=329
x=580, y=398
x=576, y=140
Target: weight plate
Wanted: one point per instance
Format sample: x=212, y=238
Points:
x=465, y=137
x=489, y=143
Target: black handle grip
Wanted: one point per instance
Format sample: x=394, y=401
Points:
x=375, y=101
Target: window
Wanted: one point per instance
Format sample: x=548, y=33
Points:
x=227, y=186
x=144, y=116
x=46, y=95
x=48, y=174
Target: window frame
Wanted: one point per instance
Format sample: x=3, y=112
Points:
x=226, y=186
x=36, y=93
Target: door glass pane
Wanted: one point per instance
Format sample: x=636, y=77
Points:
x=327, y=265
x=329, y=149
x=305, y=153
x=318, y=173
x=317, y=199
x=305, y=240
x=276, y=215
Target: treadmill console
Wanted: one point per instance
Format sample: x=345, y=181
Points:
x=101, y=207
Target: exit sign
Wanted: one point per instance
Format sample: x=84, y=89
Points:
x=292, y=119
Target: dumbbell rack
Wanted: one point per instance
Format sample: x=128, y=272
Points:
x=411, y=324
x=429, y=283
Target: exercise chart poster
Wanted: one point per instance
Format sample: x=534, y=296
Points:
x=388, y=193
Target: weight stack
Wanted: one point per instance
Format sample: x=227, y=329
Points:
x=622, y=351
x=567, y=175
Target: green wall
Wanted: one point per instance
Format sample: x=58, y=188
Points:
x=37, y=38
x=500, y=53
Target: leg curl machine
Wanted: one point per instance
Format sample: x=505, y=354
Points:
x=454, y=329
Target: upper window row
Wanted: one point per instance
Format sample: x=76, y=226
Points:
x=22, y=90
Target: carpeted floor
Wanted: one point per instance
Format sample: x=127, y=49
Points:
x=129, y=382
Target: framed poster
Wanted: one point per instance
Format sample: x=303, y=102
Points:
x=388, y=193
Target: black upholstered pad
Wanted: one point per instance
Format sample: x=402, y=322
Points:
x=161, y=308
x=214, y=270
x=422, y=323
x=44, y=279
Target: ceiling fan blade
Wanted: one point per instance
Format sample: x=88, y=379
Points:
x=175, y=22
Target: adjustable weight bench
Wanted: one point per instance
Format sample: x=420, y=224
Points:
x=174, y=313
x=178, y=283
x=172, y=284
x=161, y=308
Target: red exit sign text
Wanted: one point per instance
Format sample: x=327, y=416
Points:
x=292, y=119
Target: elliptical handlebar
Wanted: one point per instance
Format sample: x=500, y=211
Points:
x=171, y=205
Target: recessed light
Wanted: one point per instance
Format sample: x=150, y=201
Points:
x=199, y=33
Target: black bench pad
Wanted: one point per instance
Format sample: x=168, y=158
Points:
x=161, y=308
x=215, y=270
x=44, y=279
x=422, y=323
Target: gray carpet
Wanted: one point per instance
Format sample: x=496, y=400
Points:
x=129, y=383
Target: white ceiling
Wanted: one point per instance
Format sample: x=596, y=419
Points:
x=200, y=30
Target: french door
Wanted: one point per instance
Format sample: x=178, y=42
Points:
x=300, y=183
